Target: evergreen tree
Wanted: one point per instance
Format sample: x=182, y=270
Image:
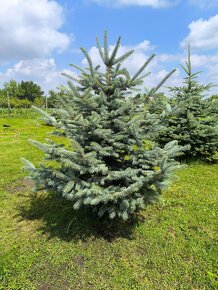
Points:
x=157, y=104
x=212, y=107
x=187, y=120
x=111, y=167
x=52, y=98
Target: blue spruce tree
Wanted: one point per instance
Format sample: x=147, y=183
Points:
x=188, y=120
x=112, y=166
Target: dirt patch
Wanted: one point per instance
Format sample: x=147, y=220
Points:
x=45, y=287
x=22, y=185
x=79, y=260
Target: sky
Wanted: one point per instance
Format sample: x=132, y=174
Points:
x=40, y=38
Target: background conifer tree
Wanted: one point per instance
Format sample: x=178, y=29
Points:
x=111, y=166
x=188, y=120
x=156, y=104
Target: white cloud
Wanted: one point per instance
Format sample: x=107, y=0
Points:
x=29, y=29
x=158, y=75
x=141, y=54
x=213, y=75
x=203, y=34
x=208, y=63
x=142, y=51
x=209, y=66
x=42, y=71
x=169, y=57
x=202, y=60
x=45, y=72
x=151, y=3
x=204, y=3
x=156, y=3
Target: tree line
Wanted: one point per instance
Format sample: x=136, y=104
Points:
x=24, y=94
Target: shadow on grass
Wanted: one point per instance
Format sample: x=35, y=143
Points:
x=62, y=221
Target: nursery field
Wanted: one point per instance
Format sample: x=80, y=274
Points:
x=44, y=244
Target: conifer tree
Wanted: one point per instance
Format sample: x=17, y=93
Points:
x=112, y=166
x=187, y=119
x=157, y=104
x=212, y=107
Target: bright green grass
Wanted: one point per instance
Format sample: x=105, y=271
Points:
x=174, y=248
x=18, y=113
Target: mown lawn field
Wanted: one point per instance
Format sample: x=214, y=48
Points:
x=44, y=244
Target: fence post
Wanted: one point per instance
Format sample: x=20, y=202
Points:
x=46, y=103
x=9, y=106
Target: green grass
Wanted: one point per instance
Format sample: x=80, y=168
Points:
x=44, y=244
x=17, y=113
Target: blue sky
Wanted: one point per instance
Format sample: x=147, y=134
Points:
x=39, y=38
